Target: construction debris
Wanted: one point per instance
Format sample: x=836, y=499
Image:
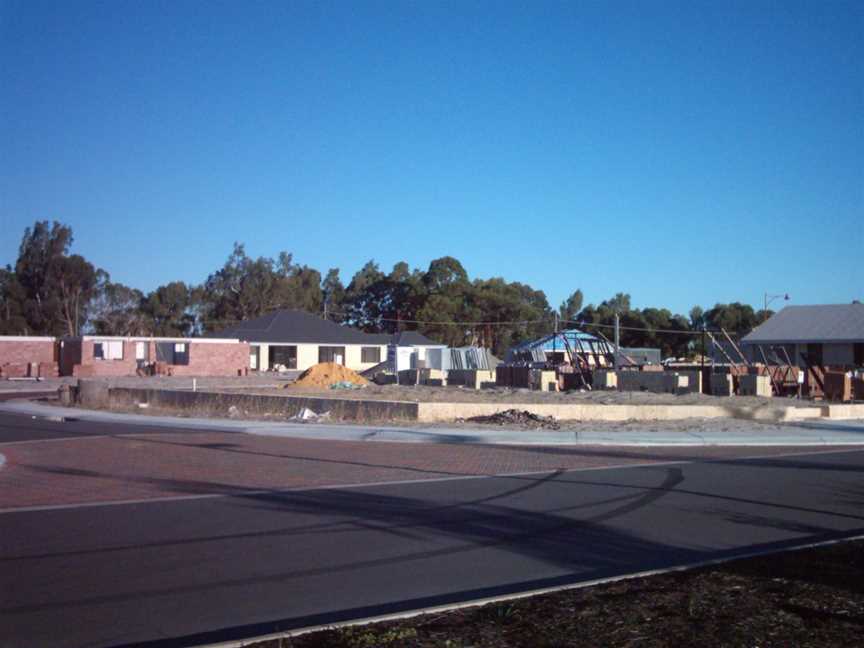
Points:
x=517, y=417
x=346, y=384
x=327, y=374
x=305, y=415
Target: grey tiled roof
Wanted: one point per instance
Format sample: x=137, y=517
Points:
x=413, y=338
x=299, y=327
x=802, y=324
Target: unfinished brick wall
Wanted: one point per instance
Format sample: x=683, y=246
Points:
x=205, y=359
x=21, y=357
x=88, y=366
x=228, y=359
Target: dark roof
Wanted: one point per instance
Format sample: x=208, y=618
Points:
x=298, y=327
x=803, y=324
x=412, y=338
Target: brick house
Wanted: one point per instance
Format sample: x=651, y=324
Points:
x=94, y=355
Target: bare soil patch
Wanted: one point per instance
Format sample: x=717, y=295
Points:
x=813, y=597
x=429, y=394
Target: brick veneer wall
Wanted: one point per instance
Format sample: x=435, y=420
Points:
x=17, y=356
x=228, y=359
x=205, y=359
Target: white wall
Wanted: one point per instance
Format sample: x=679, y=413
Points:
x=307, y=355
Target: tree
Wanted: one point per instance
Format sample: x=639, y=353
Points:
x=116, y=310
x=78, y=282
x=167, y=310
x=49, y=292
x=569, y=309
x=333, y=294
x=360, y=304
x=42, y=249
x=245, y=288
x=445, y=274
x=12, y=320
x=736, y=319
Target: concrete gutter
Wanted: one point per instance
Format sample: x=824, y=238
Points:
x=799, y=434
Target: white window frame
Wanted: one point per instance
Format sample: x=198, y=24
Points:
x=111, y=349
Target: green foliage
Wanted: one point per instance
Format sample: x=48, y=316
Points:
x=245, y=288
x=51, y=292
x=569, y=309
x=166, y=310
x=116, y=310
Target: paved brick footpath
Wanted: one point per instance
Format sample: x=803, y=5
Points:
x=143, y=466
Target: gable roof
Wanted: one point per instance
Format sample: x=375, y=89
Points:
x=299, y=327
x=835, y=323
x=412, y=338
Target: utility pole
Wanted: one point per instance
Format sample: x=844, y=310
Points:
x=555, y=337
x=767, y=299
x=617, y=339
x=702, y=369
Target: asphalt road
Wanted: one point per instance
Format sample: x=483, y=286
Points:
x=185, y=572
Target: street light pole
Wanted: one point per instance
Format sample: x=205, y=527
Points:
x=770, y=298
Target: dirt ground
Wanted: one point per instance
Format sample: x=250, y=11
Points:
x=425, y=394
x=281, y=385
x=813, y=597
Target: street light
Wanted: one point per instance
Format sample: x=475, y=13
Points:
x=771, y=298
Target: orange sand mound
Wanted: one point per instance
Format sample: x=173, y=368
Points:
x=327, y=373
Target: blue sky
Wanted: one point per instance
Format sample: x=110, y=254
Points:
x=687, y=153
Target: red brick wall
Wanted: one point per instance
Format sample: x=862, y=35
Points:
x=30, y=351
x=205, y=359
x=88, y=366
x=16, y=356
x=229, y=359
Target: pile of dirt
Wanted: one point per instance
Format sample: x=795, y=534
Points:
x=325, y=374
x=517, y=417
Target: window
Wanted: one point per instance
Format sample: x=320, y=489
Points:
x=331, y=354
x=283, y=356
x=859, y=354
x=370, y=354
x=141, y=351
x=175, y=353
x=108, y=349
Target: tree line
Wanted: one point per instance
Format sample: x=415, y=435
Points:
x=50, y=291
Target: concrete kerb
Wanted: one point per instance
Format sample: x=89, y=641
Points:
x=815, y=433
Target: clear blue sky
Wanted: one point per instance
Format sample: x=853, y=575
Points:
x=686, y=153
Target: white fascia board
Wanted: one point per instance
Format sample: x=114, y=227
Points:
x=27, y=338
x=329, y=344
x=111, y=338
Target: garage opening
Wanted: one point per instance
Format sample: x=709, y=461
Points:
x=283, y=357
